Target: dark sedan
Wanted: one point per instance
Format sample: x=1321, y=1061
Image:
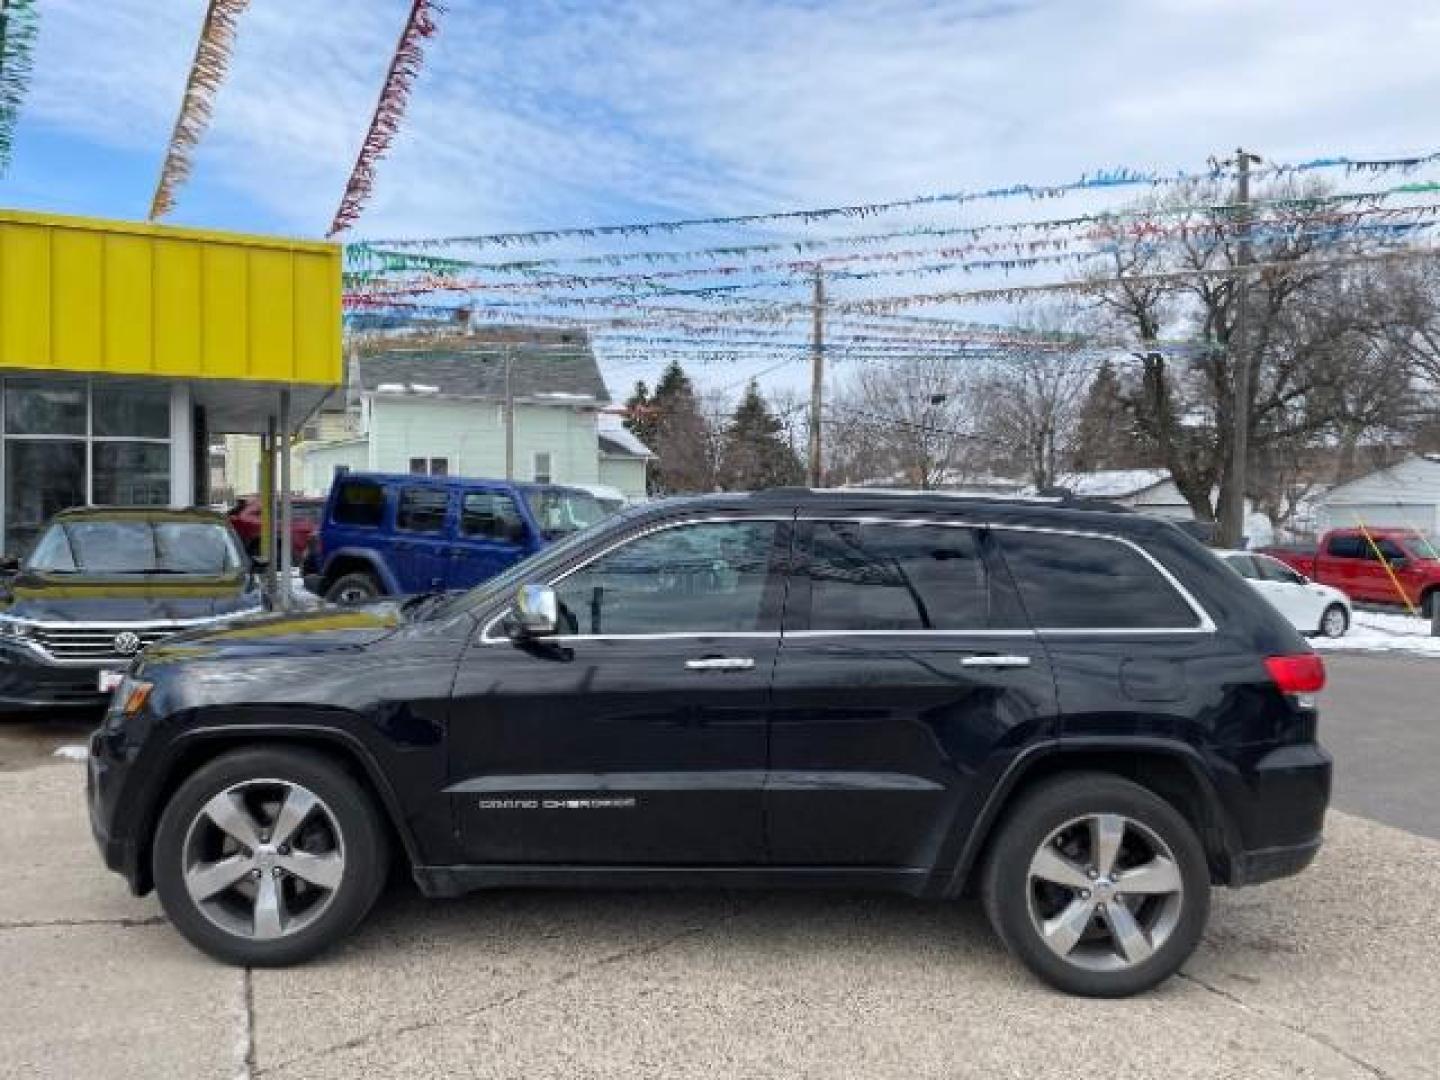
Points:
x=100, y=585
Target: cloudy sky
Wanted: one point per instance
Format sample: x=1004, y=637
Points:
x=561, y=112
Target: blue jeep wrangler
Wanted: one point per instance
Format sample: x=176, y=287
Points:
x=391, y=535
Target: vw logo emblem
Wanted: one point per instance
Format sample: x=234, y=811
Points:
x=126, y=643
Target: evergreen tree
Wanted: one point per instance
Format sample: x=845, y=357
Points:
x=640, y=414
x=755, y=453
x=680, y=436
x=1104, y=437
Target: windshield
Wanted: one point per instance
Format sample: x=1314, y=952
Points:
x=136, y=547
x=560, y=512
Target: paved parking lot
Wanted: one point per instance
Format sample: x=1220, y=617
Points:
x=1332, y=974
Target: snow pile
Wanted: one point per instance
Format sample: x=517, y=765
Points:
x=1375, y=632
x=73, y=753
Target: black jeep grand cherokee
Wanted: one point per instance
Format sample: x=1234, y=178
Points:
x=1081, y=713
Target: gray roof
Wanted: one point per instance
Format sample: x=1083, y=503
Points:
x=557, y=371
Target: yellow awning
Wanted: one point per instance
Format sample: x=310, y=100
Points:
x=121, y=298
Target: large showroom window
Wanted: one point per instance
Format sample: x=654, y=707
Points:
x=68, y=442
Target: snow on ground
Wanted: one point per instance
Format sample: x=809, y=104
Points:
x=77, y=752
x=1373, y=631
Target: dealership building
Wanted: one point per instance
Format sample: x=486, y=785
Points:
x=127, y=349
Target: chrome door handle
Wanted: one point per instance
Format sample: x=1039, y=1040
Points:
x=995, y=661
x=721, y=663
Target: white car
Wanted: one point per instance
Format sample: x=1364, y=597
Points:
x=1312, y=608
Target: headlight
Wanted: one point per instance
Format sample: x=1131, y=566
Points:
x=130, y=697
x=126, y=702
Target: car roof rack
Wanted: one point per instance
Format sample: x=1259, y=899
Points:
x=1052, y=496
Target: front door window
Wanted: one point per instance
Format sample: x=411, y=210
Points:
x=704, y=578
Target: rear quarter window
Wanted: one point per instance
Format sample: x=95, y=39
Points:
x=358, y=502
x=1069, y=582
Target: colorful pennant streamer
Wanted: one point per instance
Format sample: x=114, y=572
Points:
x=19, y=25
x=389, y=111
x=1109, y=178
x=207, y=72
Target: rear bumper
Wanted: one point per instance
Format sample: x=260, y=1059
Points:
x=1277, y=806
x=1268, y=864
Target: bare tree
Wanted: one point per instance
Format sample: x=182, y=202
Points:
x=1029, y=404
x=1184, y=403
x=904, y=420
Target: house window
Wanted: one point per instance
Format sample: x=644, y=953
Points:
x=435, y=466
x=542, y=472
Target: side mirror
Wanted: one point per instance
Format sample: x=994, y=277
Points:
x=515, y=531
x=259, y=564
x=9, y=564
x=1399, y=563
x=537, y=612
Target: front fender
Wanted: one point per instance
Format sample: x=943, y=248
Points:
x=372, y=560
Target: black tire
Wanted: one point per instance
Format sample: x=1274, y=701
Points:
x=1006, y=884
x=1427, y=603
x=1325, y=618
x=357, y=587
x=365, y=849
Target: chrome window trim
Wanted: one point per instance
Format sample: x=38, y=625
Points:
x=664, y=526
x=1204, y=624
x=1016, y=632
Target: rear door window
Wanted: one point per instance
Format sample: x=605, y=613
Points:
x=422, y=509
x=1070, y=582
x=358, y=502
x=884, y=577
x=488, y=515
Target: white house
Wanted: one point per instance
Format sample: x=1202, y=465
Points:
x=439, y=409
x=1148, y=491
x=1406, y=495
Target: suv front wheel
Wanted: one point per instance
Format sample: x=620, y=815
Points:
x=264, y=857
x=1098, y=885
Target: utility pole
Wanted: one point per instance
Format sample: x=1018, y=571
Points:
x=509, y=354
x=817, y=378
x=1232, y=513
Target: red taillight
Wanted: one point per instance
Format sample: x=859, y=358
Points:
x=1302, y=674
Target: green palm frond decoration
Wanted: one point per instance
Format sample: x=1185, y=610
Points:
x=19, y=24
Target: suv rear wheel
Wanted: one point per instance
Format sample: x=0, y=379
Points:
x=357, y=587
x=265, y=857
x=1098, y=885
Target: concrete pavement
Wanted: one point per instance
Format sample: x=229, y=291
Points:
x=1333, y=974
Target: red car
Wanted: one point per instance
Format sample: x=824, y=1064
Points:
x=1351, y=561
x=305, y=513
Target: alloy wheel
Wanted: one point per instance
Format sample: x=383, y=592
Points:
x=263, y=859
x=1104, y=892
